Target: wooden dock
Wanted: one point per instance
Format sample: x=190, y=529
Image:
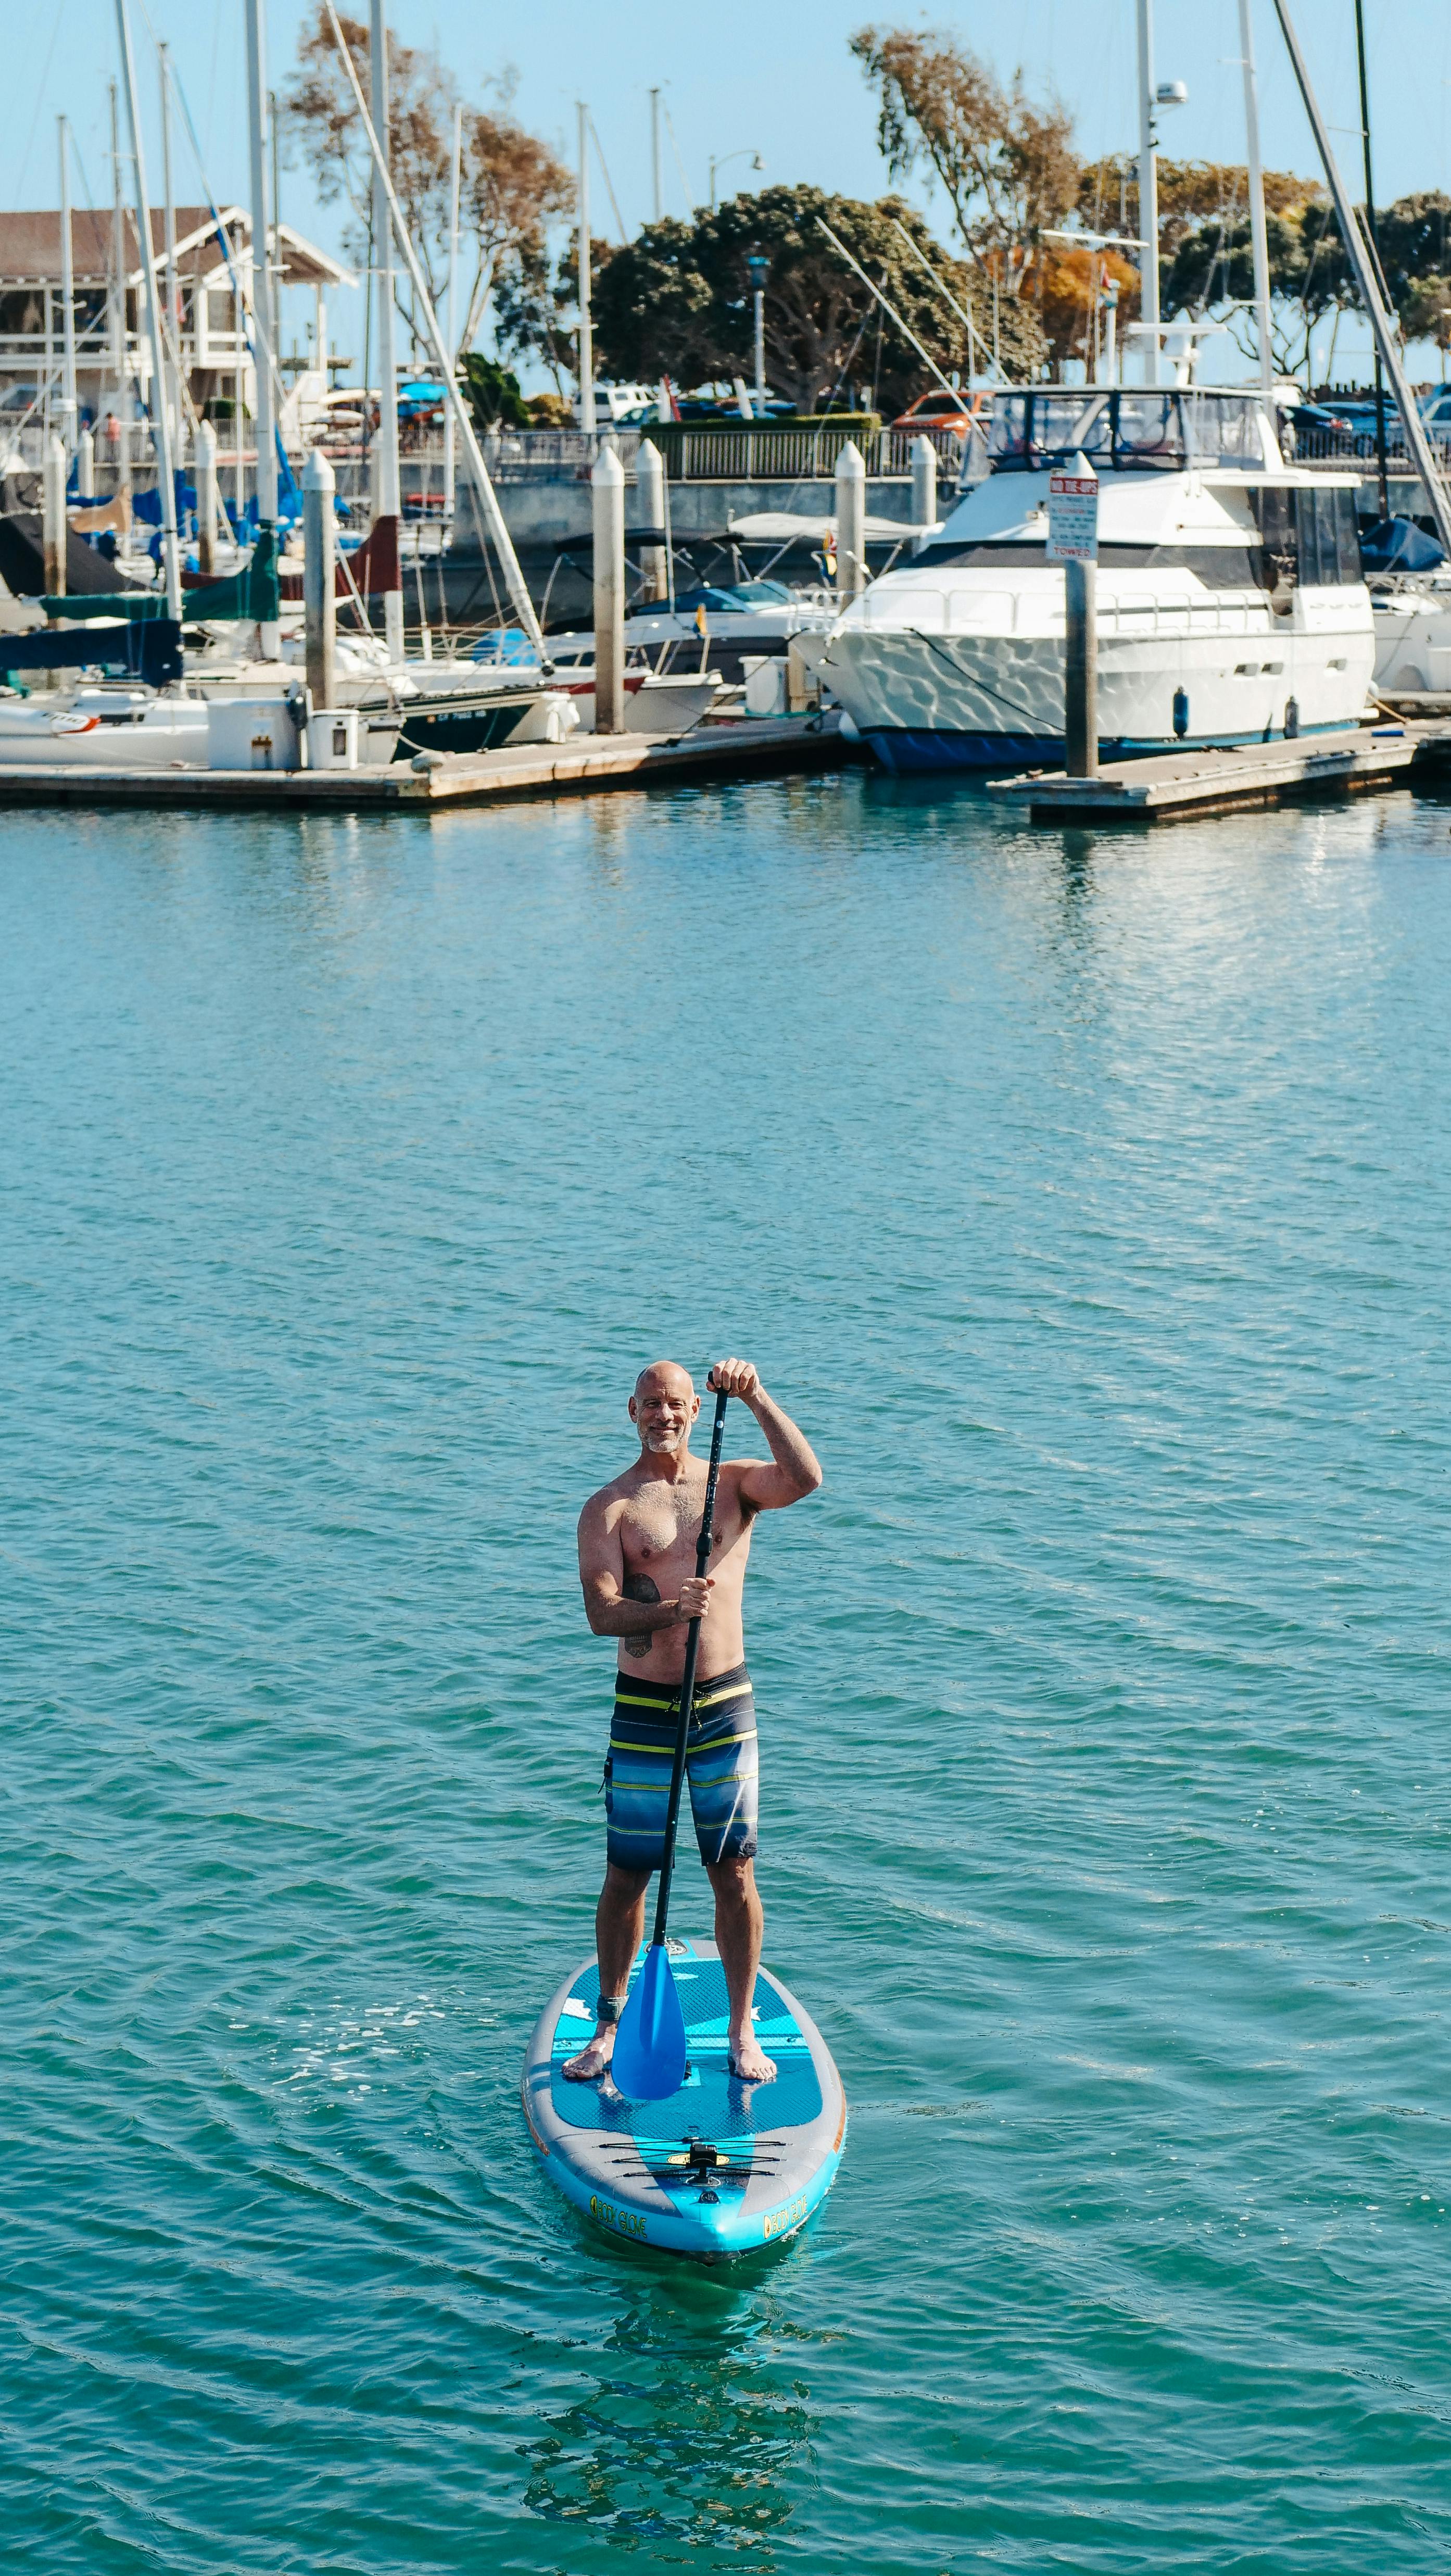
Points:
x=1180, y=786
x=752, y=747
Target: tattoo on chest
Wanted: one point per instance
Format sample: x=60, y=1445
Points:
x=639, y=1587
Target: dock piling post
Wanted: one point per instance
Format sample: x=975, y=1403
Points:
x=206, y=499
x=650, y=501
x=54, y=522
x=1080, y=670
x=924, y=483
x=851, y=522
x=319, y=578
x=86, y=466
x=608, y=498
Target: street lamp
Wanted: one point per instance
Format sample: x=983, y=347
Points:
x=744, y=153
x=758, y=269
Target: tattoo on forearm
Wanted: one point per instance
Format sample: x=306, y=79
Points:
x=639, y=1587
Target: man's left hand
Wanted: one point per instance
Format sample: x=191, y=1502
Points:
x=735, y=1377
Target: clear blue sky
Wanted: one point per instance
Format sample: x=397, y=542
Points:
x=768, y=78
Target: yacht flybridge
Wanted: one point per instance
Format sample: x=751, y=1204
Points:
x=1231, y=602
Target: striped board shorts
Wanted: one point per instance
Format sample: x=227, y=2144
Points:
x=720, y=1765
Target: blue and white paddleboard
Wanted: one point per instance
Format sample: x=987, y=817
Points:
x=719, y=2168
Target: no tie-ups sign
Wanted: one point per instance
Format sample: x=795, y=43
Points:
x=1073, y=515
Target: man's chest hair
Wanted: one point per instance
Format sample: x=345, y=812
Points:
x=658, y=1519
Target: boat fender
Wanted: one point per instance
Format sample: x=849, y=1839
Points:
x=423, y=761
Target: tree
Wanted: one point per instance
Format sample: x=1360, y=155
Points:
x=1192, y=195
x=1066, y=282
x=1213, y=268
x=1006, y=162
x=678, y=301
x=1206, y=261
x=493, y=395
x=1414, y=236
x=512, y=186
x=536, y=306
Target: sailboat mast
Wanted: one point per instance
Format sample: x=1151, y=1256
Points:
x=451, y=324
x=170, y=556
x=1148, y=196
x=586, y=333
x=388, y=504
x=1380, y=388
x=70, y=419
x=172, y=298
x=263, y=332
x=1258, y=236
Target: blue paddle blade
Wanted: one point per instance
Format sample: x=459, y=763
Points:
x=649, y=2059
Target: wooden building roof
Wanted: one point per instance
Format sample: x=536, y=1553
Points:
x=30, y=247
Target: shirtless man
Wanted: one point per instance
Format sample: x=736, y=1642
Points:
x=637, y=1541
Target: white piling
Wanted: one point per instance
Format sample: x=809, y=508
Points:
x=650, y=503
x=319, y=577
x=608, y=499
x=851, y=522
x=86, y=466
x=54, y=514
x=206, y=499
x=924, y=483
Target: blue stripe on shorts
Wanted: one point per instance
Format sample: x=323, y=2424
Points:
x=720, y=1766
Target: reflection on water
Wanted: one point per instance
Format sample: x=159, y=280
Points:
x=695, y=2428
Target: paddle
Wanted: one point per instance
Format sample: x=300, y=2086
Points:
x=649, y=2059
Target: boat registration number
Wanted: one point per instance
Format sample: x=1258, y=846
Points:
x=630, y=2222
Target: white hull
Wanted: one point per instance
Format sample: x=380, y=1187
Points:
x=102, y=729
x=1413, y=636
x=1238, y=666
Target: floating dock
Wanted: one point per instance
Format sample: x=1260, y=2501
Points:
x=750, y=747
x=1180, y=786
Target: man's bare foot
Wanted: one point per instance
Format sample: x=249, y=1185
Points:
x=748, y=2060
x=592, y=2061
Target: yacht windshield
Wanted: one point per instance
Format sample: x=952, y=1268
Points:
x=1124, y=431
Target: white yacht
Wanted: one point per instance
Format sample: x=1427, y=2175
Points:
x=1231, y=602
x=1412, y=632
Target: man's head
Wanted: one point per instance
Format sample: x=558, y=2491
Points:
x=663, y=1407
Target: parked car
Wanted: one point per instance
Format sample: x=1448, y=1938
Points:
x=937, y=410
x=621, y=406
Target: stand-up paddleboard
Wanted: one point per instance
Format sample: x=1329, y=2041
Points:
x=719, y=2167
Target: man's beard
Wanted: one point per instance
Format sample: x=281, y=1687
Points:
x=660, y=1442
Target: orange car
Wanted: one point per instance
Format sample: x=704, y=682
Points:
x=937, y=410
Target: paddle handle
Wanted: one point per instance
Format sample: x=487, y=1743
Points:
x=687, y=1679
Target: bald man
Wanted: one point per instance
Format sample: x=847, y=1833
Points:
x=637, y=1540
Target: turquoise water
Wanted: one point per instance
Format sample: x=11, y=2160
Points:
x=1087, y=1201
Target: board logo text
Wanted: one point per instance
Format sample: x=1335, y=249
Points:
x=790, y=2216
x=629, y=2222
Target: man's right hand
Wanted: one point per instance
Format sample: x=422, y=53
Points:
x=695, y=1592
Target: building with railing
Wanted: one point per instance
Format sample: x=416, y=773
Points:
x=204, y=299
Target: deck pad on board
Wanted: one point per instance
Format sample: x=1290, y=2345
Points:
x=712, y=2102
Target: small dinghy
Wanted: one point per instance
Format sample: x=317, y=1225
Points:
x=718, y=2168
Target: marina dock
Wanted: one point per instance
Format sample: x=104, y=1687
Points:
x=1180, y=786
x=753, y=747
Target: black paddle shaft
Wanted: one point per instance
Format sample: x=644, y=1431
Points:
x=687, y=1679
